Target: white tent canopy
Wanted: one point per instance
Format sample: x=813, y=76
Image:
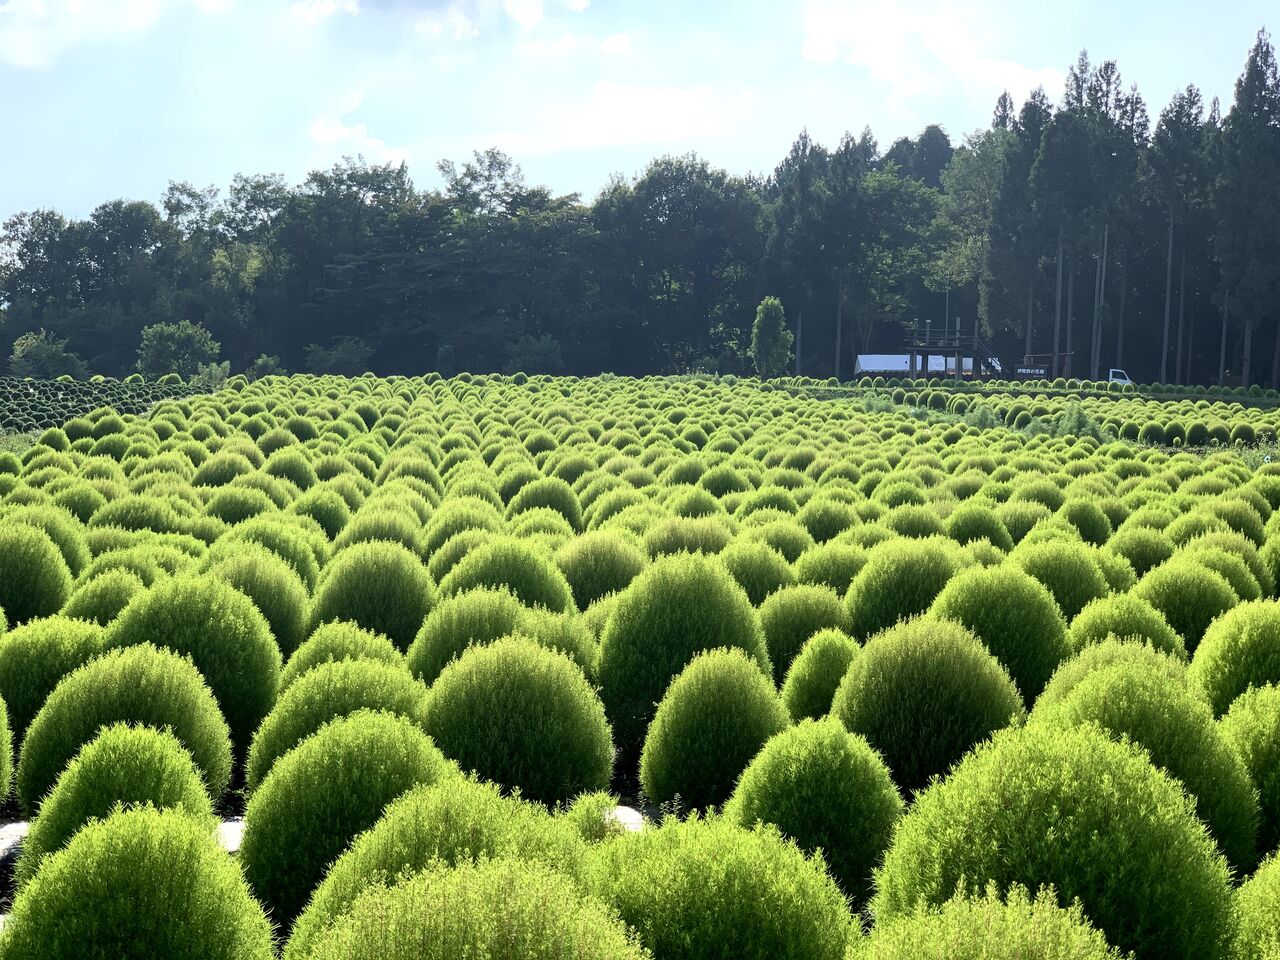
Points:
x=897, y=364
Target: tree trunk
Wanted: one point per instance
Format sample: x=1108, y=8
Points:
x=1124, y=299
x=1099, y=296
x=1031, y=294
x=799, y=338
x=1222, y=350
x=1071, y=310
x=1246, y=361
x=839, y=323
x=1168, y=301
x=1182, y=308
x=1275, y=362
x=1057, y=309
x=1191, y=344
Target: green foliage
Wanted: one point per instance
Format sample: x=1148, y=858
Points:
x=901, y=578
x=345, y=356
x=522, y=716
x=34, y=578
x=337, y=641
x=380, y=586
x=815, y=674
x=757, y=567
x=1252, y=728
x=123, y=765
x=1127, y=843
x=43, y=356
x=1125, y=616
x=318, y=796
x=273, y=586
x=826, y=789
x=530, y=575
x=716, y=715
x=599, y=563
x=141, y=685
x=1240, y=650
x=100, y=599
x=791, y=615
x=180, y=348
x=1189, y=596
x=1067, y=569
x=1103, y=654
x=225, y=636
x=923, y=693
x=112, y=891
x=1257, y=904
x=771, y=340
x=34, y=657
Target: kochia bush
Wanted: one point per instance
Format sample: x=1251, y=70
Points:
x=379, y=585
x=1240, y=650
x=815, y=674
x=34, y=578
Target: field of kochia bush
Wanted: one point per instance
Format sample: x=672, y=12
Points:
x=890, y=686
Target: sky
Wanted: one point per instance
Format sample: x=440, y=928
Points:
x=101, y=99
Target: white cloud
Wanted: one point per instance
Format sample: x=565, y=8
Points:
x=318, y=11
x=332, y=132
x=578, y=6
x=527, y=13
x=616, y=44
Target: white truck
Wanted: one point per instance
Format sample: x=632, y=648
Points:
x=1115, y=375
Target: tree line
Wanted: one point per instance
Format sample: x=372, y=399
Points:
x=1153, y=246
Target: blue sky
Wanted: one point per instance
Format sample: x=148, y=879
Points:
x=109, y=98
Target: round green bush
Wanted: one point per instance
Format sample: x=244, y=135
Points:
x=325, y=693
x=34, y=578
x=1015, y=617
x=677, y=608
x=6, y=753
x=1105, y=653
x=331, y=787
x=551, y=492
x=141, y=883
x=380, y=586
x=450, y=822
x=901, y=578
x=1241, y=649
x=278, y=593
x=598, y=563
x=708, y=888
x=223, y=633
x=501, y=908
x=989, y=927
x=337, y=641
x=35, y=656
x=522, y=716
x=142, y=685
x=1189, y=596
x=831, y=564
x=477, y=616
x=1138, y=703
x=1143, y=547
x=717, y=714
x=815, y=674
x=1126, y=841
x=757, y=567
x=826, y=789
x=122, y=765
x=1252, y=727
x=1257, y=906
x=101, y=598
x=923, y=693
x=1068, y=569
x=792, y=615
x=506, y=562
x=1125, y=616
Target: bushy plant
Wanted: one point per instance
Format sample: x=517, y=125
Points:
x=716, y=715
x=34, y=578
x=101, y=598
x=677, y=608
x=522, y=716
x=1241, y=649
x=1190, y=597
x=181, y=348
x=321, y=794
x=791, y=615
x=708, y=888
x=1143, y=547
x=901, y=578
x=1125, y=616
x=380, y=586
x=511, y=563
x=335, y=641
x=816, y=672
x=112, y=892
x=324, y=693
x=142, y=685
x=1252, y=728
x=1014, y=616
x=223, y=633
x=122, y=766
x=757, y=567
x=923, y=693
x=273, y=586
x=34, y=657
x=454, y=821
x=476, y=616
x=1105, y=653
x=1257, y=905
x=1126, y=841
x=826, y=789
x=598, y=563
x=1068, y=569
x=832, y=564
x=510, y=908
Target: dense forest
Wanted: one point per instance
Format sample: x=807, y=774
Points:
x=1151, y=245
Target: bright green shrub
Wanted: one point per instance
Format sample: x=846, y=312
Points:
x=34, y=578
x=1189, y=596
x=381, y=586
x=478, y=616
x=1257, y=905
x=989, y=927
x=140, y=685
x=597, y=563
x=757, y=567
x=824, y=788
x=223, y=633
x=66, y=532
x=677, y=608
x=1068, y=569
x=715, y=716
x=1240, y=650
x=901, y=578
x=1127, y=843
x=974, y=521
x=35, y=656
x=1252, y=727
x=113, y=892
x=507, y=908
x=450, y=822
x=923, y=693
x=1125, y=616
x=1014, y=616
x=273, y=586
x=815, y=674
x=101, y=599
x=1137, y=703
x=122, y=765
x=522, y=716
x=337, y=641
x=687, y=535
x=792, y=615
x=1087, y=517
x=1143, y=547
x=551, y=492
x=331, y=787
x=830, y=564
x=324, y=693
x=507, y=562
x=708, y=888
